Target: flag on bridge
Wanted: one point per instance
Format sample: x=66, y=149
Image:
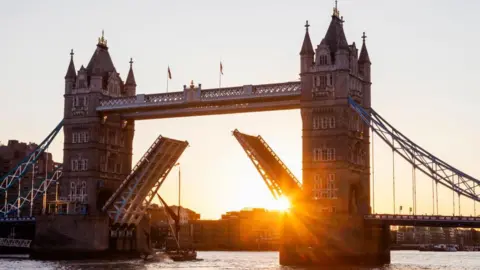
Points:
x=220, y=75
x=169, y=73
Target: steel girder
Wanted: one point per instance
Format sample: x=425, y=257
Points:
x=435, y=168
x=32, y=193
x=6, y=181
x=130, y=201
x=278, y=178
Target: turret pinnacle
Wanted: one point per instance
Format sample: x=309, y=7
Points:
x=364, y=58
x=307, y=48
x=101, y=63
x=335, y=36
x=71, y=73
x=130, y=76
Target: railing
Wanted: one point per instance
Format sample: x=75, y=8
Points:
x=222, y=93
x=217, y=94
x=280, y=161
x=421, y=217
x=277, y=89
x=132, y=173
x=10, y=242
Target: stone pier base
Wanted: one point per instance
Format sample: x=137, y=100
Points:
x=84, y=237
x=333, y=240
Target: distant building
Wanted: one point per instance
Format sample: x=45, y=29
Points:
x=159, y=215
x=10, y=156
x=248, y=229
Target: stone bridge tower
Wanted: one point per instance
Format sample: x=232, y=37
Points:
x=97, y=151
x=335, y=152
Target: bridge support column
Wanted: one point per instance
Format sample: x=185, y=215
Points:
x=335, y=240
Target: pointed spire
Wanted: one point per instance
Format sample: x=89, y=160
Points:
x=130, y=76
x=71, y=73
x=101, y=63
x=335, y=36
x=364, y=58
x=307, y=48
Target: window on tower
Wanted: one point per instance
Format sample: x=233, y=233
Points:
x=80, y=137
x=325, y=187
x=323, y=60
x=324, y=154
x=79, y=164
x=322, y=82
x=323, y=122
x=73, y=189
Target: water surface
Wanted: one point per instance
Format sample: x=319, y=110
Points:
x=401, y=260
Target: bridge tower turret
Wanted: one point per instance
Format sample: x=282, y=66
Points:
x=71, y=75
x=335, y=147
x=364, y=66
x=97, y=151
x=307, y=53
x=130, y=83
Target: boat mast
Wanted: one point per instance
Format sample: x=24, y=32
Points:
x=177, y=227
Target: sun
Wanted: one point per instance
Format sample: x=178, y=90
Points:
x=282, y=204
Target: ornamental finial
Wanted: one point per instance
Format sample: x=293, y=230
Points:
x=336, y=13
x=307, y=25
x=101, y=40
x=364, y=37
x=192, y=85
x=131, y=62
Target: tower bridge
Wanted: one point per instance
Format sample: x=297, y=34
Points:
x=101, y=202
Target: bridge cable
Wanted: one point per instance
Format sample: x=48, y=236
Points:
x=373, y=174
x=433, y=197
x=393, y=175
x=436, y=186
x=33, y=182
x=459, y=202
x=474, y=202
x=44, y=206
x=19, y=195
x=453, y=193
x=6, y=200
x=414, y=191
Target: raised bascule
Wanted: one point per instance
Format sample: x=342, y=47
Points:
x=100, y=204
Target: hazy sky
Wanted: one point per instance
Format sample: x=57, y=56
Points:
x=425, y=80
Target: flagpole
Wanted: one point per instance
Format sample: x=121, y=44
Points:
x=220, y=75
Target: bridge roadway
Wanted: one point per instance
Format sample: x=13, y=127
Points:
x=423, y=220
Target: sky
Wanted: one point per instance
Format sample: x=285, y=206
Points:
x=424, y=70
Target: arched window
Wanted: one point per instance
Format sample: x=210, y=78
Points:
x=323, y=60
x=83, y=190
x=73, y=189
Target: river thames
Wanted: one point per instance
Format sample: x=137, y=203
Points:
x=401, y=260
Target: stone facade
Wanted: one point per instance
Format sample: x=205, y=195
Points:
x=97, y=150
x=328, y=226
x=335, y=140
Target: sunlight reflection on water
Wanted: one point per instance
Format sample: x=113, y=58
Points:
x=401, y=260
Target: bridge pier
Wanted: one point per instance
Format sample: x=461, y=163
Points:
x=332, y=240
x=87, y=236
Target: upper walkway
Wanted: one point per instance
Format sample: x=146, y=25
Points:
x=194, y=101
x=423, y=220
